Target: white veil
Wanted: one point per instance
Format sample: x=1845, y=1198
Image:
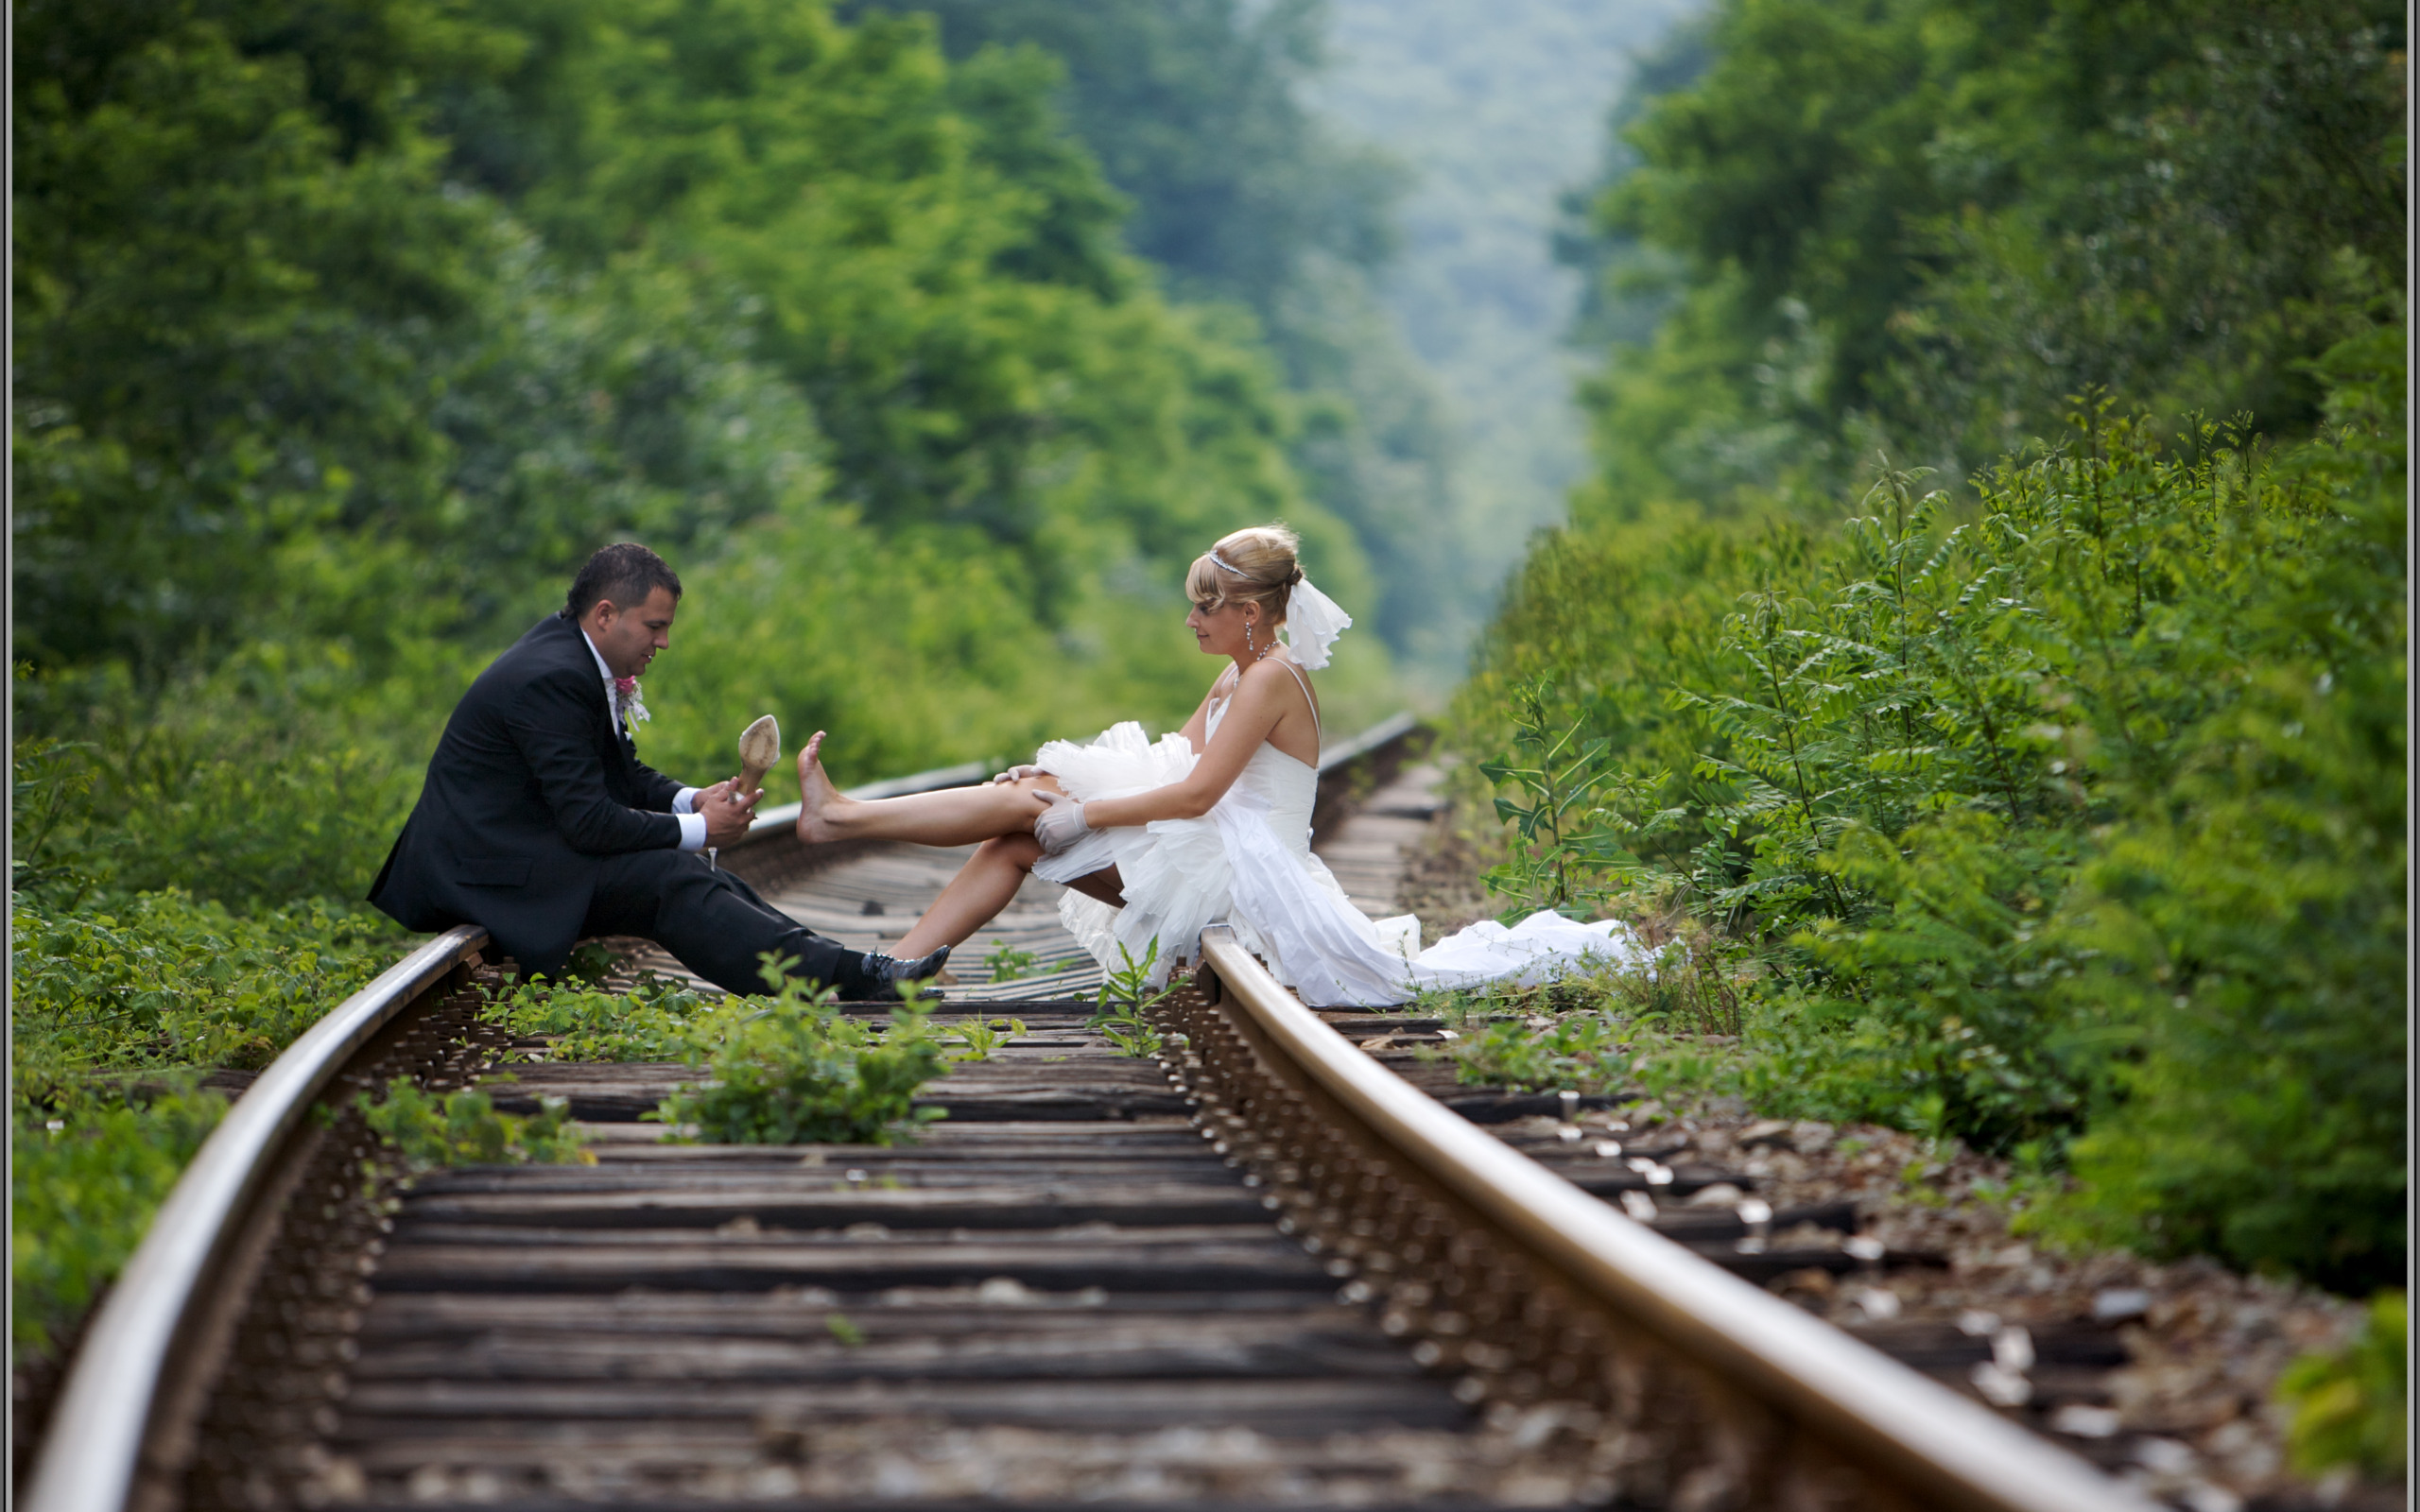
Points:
x=1313, y=621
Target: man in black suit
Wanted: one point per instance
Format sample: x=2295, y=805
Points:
x=539, y=822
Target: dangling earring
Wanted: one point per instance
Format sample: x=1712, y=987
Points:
x=1261, y=654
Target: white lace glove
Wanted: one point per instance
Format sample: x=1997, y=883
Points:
x=1018, y=774
x=1060, y=824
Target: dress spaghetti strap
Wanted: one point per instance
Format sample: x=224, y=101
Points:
x=1303, y=684
x=1219, y=707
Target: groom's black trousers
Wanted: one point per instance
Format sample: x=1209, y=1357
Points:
x=711, y=921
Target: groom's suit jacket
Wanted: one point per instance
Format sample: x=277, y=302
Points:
x=533, y=783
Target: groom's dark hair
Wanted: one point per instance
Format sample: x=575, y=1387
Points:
x=625, y=573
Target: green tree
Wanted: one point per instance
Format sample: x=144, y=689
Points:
x=932, y=262
x=347, y=328
x=1928, y=224
x=1240, y=195
x=345, y=333
x=224, y=315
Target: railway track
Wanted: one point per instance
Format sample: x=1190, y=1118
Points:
x=1262, y=1269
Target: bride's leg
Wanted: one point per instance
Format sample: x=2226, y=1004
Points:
x=983, y=886
x=975, y=896
x=954, y=815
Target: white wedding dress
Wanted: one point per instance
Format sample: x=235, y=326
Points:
x=1248, y=863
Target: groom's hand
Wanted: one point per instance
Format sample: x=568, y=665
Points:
x=728, y=811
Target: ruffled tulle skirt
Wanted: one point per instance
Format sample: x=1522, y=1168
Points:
x=1176, y=875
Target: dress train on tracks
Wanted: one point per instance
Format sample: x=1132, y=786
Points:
x=1248, y=864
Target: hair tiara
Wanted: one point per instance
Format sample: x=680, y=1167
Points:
x=1222, y=562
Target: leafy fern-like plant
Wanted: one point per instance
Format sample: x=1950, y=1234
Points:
x=1561, y=846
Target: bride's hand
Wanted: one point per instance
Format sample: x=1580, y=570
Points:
x=1061, y=823
x=1018, y=774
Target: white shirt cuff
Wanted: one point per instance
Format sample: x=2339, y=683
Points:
x=685, y=802
x=693, y=832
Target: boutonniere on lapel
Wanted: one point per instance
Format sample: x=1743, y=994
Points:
x=629, y=705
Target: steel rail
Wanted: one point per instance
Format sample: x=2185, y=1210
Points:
x=1882, y=1418
x=1386, y=732
x=106, y=1412
x=111, y=1403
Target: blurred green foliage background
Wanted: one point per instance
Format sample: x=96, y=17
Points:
x=1495, y=111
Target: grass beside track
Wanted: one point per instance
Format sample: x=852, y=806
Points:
x=118, y=1011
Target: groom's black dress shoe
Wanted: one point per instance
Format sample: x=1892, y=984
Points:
x=879, y=975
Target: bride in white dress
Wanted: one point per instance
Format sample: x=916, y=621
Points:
x=1209, y=825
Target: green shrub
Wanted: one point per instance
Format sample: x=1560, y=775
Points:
x=208, y=787
x=2351, y=1407
x=978, y=1038
x=112, y=1009
x=2250, y=915
x=2074, y=818
x=1667, y=1021
x=86, y=1173
x=1558, y=844
x=1582, y=1052
x=1125, y=999
x=656, y=1021
x=1009, y=964
x=1941, y=1010
x=463, y=1128
x=161, y=980
x=779, y=1070
x=792, y=1069
x=116, y=1000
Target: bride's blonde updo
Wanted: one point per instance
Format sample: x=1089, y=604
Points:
x=1263, y=571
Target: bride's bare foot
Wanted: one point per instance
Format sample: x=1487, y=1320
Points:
x=817, y=796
